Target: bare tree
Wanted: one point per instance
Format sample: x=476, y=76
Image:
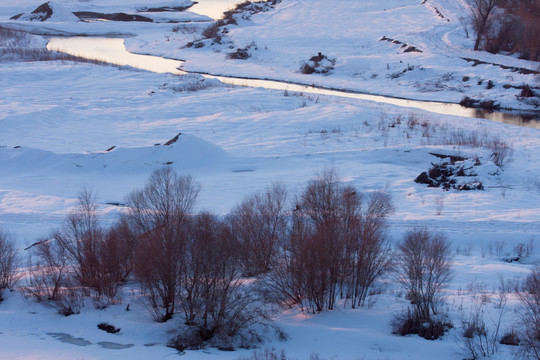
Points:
x=424, y=268
x=369, y=251
x=51, y=277
x=213, y=256
x=307, y=269
x=481, y=18
x=117, y=252
x=259, y=223
x=165, y=200
x=321, y=229
x=285, y=282
x=81, y=237
x=529, y=295
x=81, y=259
x=158, y=219
x=8, y=262
x=219, y=306
x=99, y=258
x=48, y=264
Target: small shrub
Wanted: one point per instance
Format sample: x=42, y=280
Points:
x=239, y=54
x=412, y=49
x=434, y=329
x=70, y=302
x=307, y=69
x=404, y=324
x=489, y=105
x=490, y=85
x=212, y=31
x=526, y=92
x=185, y=29
x=480, y=340
x=409, y=324
x=193, y=83
x=510, y=338
x=529, y=311
x=190, y=339
x=465, y=79
x=242, y=53
x=424, y=267
x=319, y=64
x=468, y=102
x=501, y=151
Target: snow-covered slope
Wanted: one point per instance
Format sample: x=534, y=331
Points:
x=65, y=125
x=409, y=48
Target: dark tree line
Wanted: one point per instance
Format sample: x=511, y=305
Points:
x=506, y=25
x=220, y=275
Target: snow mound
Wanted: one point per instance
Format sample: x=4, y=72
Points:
x=195, y=82
x=49, y=11
x=183, y=151
x=460, y=173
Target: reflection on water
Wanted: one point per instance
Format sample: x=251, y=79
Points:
x=213, y=8
x=113, y=51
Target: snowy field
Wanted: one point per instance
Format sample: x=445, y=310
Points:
x=59, y=122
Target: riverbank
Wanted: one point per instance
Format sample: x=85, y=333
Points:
x=369, y=42
x=370, y=58
x=441, y=69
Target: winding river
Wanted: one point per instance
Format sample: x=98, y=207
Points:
x=112, y=50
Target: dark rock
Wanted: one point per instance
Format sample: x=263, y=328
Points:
x=173, y=140
x=423, y=178
x=108, y=328
x=44, y=12
x=90, y=15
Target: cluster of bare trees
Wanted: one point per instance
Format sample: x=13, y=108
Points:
x=82, y=259
x=333, y=245
x=219, y=274
x=336, y=247
x=158, y=218
x=260, y=224
x=182, y=261
x=506, y=25
x=190, y=262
